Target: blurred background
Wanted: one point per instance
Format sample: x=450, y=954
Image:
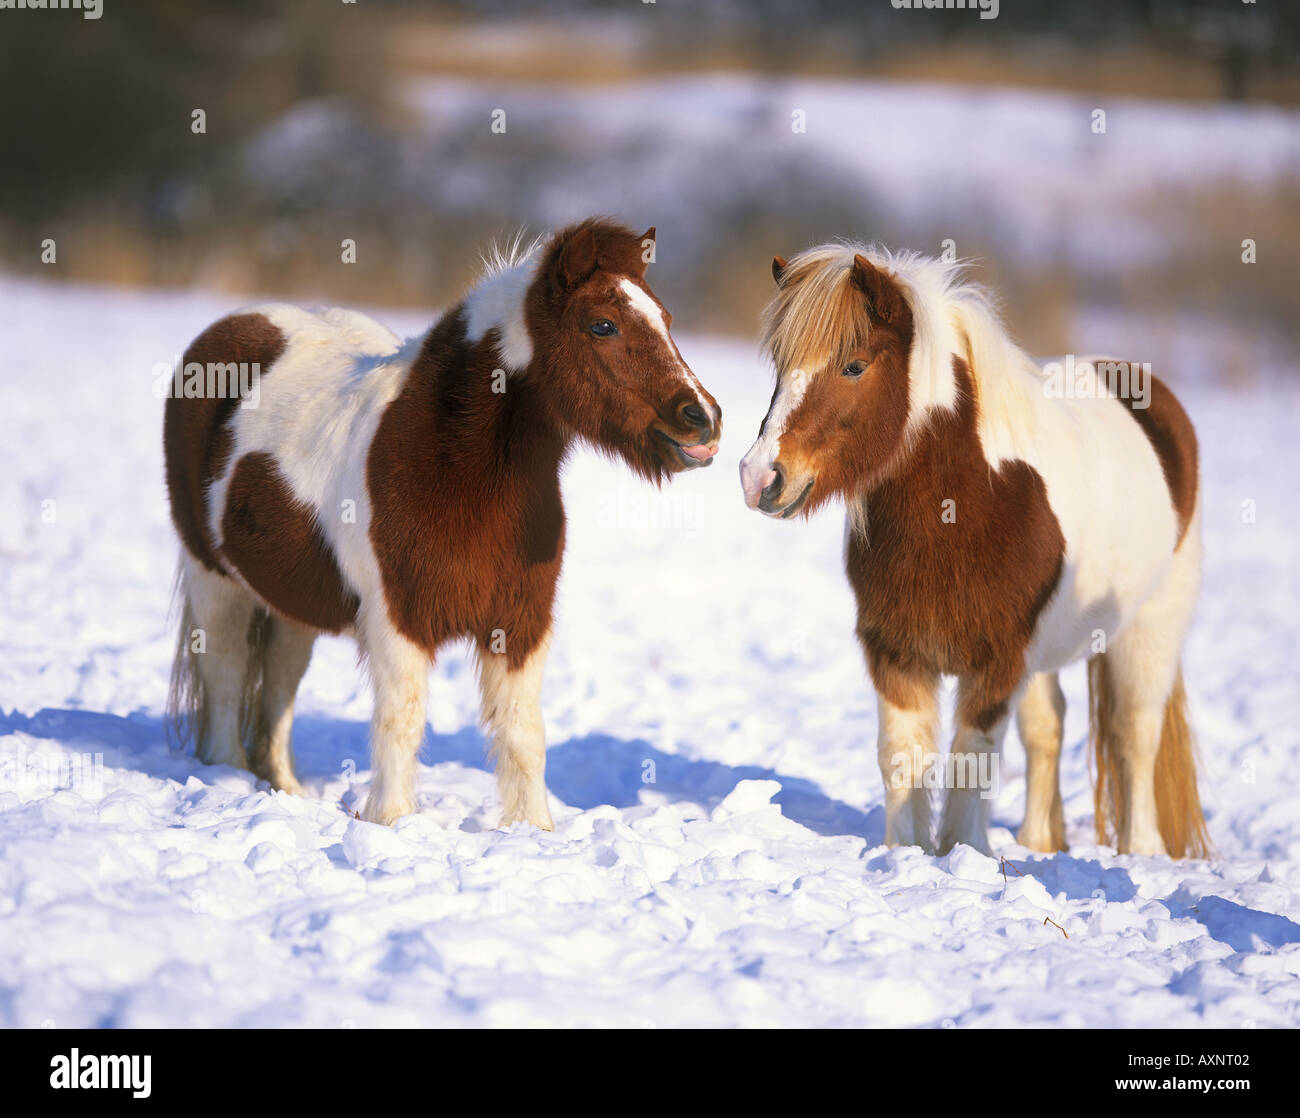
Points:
x=422, y=130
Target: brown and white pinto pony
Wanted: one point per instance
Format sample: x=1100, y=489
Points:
x=408, y=493
x=997, y=532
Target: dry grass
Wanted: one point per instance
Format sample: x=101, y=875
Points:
x=429, y=263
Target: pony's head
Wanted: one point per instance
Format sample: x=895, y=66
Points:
x=603, y=357
x=840, y=332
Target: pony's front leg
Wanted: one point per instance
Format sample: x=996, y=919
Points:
x=399, y=673
x=512, y=717
x=906, y=749
x=983, y=713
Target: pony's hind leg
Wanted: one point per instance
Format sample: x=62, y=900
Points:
x=906, y=748
x=287, y=654
x=1146, y=768
x=220, y=617
x=1041, y=722
x=1132, y=679
x=399, y=672
x=512, y=716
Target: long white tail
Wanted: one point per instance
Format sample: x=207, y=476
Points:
x=189, y=714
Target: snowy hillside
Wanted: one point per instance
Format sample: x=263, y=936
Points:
x=718, y=854
x=1026, y=174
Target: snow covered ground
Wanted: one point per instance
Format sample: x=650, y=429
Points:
x=717, y=858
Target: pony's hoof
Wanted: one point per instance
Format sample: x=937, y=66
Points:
x=279, y=781
x=385, y=812
x=542, y=823
x=1043, y=841
x=979, y=843
x=288, y=784
x=907, y=823
x=537, y=817
x=923, y=844
x=1147, y=846
x=237, y=759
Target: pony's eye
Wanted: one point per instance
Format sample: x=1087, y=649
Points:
x=603, y=328
x=855, y=368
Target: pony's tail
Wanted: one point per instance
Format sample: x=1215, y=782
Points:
x=1178, y=804
x=1178, y=801
x=186, y=703
x=187, y=716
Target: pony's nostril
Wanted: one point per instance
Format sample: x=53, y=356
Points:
x=774, y=487
x=695, y=414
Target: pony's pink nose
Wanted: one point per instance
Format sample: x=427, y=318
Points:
x=755, y=479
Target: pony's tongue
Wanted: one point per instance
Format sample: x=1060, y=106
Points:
x=700, y=453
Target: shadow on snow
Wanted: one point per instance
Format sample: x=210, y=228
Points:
x=599, y=769
x=583, y=772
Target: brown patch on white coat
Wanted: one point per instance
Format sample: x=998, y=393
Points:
x=456, y=526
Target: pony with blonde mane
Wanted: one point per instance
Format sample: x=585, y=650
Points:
x=1002, y=524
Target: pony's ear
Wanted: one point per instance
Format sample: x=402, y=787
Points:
x=779, y=265
x=648, y=241
x=882, y=292
x=577, y=258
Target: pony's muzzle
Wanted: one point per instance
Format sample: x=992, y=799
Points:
x=778, y=496
x=705, y=421
x=700, y=446
x=769, y=500
x=756, y=481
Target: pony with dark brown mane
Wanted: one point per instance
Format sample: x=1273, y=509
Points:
x=408, y=493
x=999, y=528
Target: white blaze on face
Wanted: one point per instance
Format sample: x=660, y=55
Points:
x=640, y=302
x=756, y=472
